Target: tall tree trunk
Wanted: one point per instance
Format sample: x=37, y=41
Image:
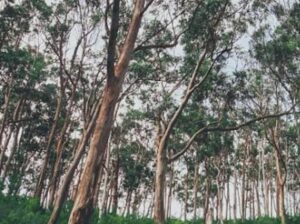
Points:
x=159, y=205
x=281, y=171
x=62, y=193
x=16, y=116
x=169, y=204
x=41, y=178
x=82, y=208
x=282, y=205
x=7, y=98
x=161, y=160
x=57, y=165
x=115, y=192
x=196, y=186
x=227, y=213
x=206, y=209
x=106, y=183
x=258, y=198
x=186, y=195
x=12, y=152
x=5, y=146
x=243, y=202
x=235, y=196
x=54, y=182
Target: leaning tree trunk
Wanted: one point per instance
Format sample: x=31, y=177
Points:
x=62, y=193
x=82, y=208
x=17, y=116
x=7, y=98
x=41, y=178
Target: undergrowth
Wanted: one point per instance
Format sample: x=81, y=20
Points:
x=24, y=210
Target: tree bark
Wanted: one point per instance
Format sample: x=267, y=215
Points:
x=62, y=193
x=82, y=208
x=161, y=163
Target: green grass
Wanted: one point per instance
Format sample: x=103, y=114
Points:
x=21, y=210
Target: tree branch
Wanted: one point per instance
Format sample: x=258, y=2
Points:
x=111, y=49
x=233, y=128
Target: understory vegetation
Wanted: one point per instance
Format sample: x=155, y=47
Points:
x=22, y=210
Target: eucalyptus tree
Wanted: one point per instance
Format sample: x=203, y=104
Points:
x=115, y=76
x=23, y=77
x=278, y=58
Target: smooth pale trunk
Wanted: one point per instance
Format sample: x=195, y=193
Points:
x=57, y=166
x=169, y=204
x=196, y=183
x=235, y=196
x=17, y=116
x=186, y=195
x=62, y=193
x=5, y=147
x=82, y=208
x=161, y=163
x=42, y=176
x=106, y=184
x=206, y=201
x=7, y=99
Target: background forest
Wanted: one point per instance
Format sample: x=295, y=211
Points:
x=149, y=111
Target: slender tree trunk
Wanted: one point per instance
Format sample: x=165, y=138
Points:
x=206, y=201
x=227, y=213
x=169, y=204
x=282, y=205
x=62, y=193
x=186, y=195
x=258, y=199
x=82, y=208
x=196, y=186
x=41, y=178
x=115, y=192
x=235, y=196
x=57, y=166
x=106, y=183
x=243, y=203
x=135, y=203
x=220, y=199
x=12, y=152
x=16, y=116
x=5, y=112
x=161, y=163
x=5, y=146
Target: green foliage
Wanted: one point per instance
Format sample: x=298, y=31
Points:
x=21, y=210
x=110, y=219
x=25, y=210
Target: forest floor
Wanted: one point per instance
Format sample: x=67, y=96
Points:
x=23, y=210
